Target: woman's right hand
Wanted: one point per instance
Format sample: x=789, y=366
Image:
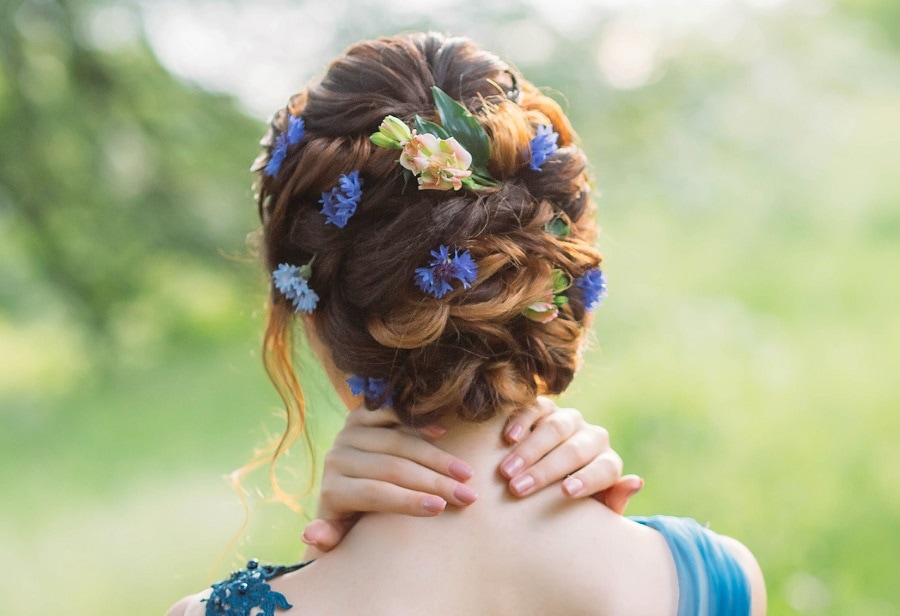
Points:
x=373, y=466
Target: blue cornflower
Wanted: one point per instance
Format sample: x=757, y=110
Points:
x=296, y=129
x=593, y=288
x=436, y=278
x=283, y=278
x=339, y=204
x=306, y=299
x=372, y=387
x=289, y=280
x=278, y=154
x=292, y=135
x=542, y=146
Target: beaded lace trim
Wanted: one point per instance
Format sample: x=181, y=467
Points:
x=247, y=589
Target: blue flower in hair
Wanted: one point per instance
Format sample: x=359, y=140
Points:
x=436, y=278
x=372, y=387
x=283, y=278
x=339, y=204
x=542, y=146
x=292, y=135
x=292, y=282
x=593, y=288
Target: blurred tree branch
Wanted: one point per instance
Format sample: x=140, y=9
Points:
x=108, y=162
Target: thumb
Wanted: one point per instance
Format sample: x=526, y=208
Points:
x=618, y=496
x=325, y=535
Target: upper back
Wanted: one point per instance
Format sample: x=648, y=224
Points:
x=544, y=555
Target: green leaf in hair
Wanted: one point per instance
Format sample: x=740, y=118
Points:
x=463, y=126
x=427, y=126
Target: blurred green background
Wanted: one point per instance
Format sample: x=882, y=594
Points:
x=746, y=361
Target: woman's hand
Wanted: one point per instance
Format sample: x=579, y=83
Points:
x=554, y=443
x=375, y=467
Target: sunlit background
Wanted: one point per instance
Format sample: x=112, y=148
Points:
x=746, y=361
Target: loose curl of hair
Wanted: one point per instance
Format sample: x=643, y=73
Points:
x=471, y=352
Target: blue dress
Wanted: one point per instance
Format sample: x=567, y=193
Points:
x=710, y=580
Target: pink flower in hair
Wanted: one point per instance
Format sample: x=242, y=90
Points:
x=441, y=164
x=416, y=154
x=543, y=311
x=445, y=156
x=547, y=308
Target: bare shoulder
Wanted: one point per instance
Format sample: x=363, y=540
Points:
x=598, y=562
x=754, y=575
x=192, y=605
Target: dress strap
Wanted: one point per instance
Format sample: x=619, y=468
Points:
x=711, y=582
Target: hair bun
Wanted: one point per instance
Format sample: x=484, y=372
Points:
x=470, y=351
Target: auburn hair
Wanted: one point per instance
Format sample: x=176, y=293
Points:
x=471, y=352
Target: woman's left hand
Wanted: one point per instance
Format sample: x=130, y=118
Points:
x=555, y=443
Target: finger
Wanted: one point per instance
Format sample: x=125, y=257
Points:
x=432, y=431
x=599, y=474
x=326, y=534
x=552, y=431
x=618, y=496
x=402, y=445
x=402, y=473
x=385, y=417
x=372, y=495
x=578, y=452
x=524, y=421
x=379, y=418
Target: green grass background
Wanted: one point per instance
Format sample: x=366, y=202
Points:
x=746, y=361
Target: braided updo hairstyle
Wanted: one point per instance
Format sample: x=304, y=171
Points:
x=470, y=352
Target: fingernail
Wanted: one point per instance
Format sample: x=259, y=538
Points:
x=638, y=489
x=434, y=504
x=434, y=431
x=515, y=433
x=522, y=485
x=465, y=494
x=306, y=539
x=512, y=465
x=573, y=486
x=461, y=470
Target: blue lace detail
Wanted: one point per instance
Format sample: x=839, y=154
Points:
x=247, y=589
